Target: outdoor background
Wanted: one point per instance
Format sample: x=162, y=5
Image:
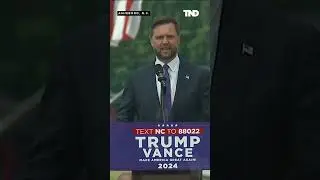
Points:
x=115, y=174
x=195, y=44
x=34, y=28
x=31, y=31
x=130, y=55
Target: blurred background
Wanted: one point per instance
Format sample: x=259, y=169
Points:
x=35, y=27
x=29, y=35
x=130, y=54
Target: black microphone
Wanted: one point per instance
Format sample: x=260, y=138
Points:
x=159, y=72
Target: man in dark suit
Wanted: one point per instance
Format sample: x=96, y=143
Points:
x=186, y=97
x=187, y=94
x=68, y=139
x=265, y=96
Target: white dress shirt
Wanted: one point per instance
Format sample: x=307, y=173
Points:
x=173, y=73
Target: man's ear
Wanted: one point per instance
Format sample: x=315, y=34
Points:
x=151, y=42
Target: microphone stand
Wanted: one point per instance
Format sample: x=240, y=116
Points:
x=163, y=111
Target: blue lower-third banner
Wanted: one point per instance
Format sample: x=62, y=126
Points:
x=151, y=146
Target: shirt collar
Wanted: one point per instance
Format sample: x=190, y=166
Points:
x=173, y=65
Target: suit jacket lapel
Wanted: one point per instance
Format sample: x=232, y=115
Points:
x=182, y=83
x=152, y=92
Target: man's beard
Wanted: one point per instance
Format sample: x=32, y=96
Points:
x=166, y=55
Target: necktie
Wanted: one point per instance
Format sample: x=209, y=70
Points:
x=167, y=96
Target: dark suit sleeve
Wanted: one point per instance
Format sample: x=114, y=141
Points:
x=205, y=94
x=55, y=149
x=126, y=111
x=305, y=54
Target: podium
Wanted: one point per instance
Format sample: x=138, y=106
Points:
x=166, y=175
x=152, y=151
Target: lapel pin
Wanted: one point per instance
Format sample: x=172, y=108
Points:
x=187, y=77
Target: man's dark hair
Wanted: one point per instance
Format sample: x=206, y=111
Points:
x=165, y=20
x=124, y=174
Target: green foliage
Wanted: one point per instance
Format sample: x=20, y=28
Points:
x=194, y=39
